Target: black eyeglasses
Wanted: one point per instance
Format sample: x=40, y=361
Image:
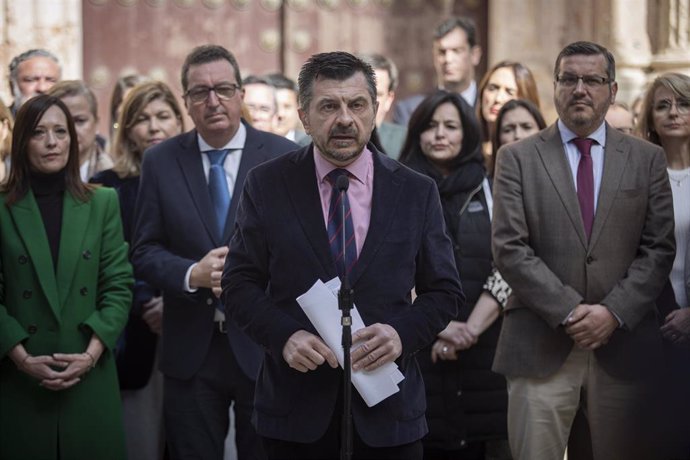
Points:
x=590, y=81
x=200, y=93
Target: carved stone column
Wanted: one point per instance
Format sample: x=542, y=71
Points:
x=672, y=33
x=629, y=43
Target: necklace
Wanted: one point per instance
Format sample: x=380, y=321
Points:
x=679, y=178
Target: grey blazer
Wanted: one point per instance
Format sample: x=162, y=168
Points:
x=540, y=248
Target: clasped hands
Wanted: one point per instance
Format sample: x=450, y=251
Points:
x=676, y=327
x=375, y=346
x=58, y=371
x=591, y=325
x=457, y=336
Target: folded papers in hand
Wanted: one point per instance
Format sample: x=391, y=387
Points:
x=320, y=303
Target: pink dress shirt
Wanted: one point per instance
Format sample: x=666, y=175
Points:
x=359, y=192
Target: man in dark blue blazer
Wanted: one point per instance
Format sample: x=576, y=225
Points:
x=456, y=54
x=281, y=247
x=179, y=245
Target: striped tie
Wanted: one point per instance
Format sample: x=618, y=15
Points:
x=336, y=227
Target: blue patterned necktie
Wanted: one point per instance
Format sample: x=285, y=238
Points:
x=336, y=227
x=218, y=187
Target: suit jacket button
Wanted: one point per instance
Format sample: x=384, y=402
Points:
x=86, y=254
x=32, y=329
x=23, y=259
x=27, y=294
x=590, y=259
x=209, y=301
x=83, y=291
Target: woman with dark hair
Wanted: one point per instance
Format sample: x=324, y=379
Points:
x=517, y=119
x=149, y=115
x=65, y=288
x=466, y=402
x=505, y=81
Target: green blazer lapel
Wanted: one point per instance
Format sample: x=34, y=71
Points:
x=75, y=221
x=616, y=158
x=29, y=224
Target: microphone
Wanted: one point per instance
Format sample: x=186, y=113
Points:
x=345, y=302
x=343, y=183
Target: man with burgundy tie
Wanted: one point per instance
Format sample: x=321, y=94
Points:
x=583, y=233
x=289, y=235
x=185, y=215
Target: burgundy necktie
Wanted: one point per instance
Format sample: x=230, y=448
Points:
x=585, y=183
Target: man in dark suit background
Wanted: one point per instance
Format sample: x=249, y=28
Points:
x=583, y=233
x=184, y=217
x=392, y=136
x=281, y=247
x=456, y=54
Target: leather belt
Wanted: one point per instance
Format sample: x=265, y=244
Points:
x=220, y=326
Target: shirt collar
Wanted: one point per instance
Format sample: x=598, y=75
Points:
x=236, y=143
x=470, y=94
x=358, y=168
x=599, y=134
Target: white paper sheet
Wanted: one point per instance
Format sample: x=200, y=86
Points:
x=320, y=303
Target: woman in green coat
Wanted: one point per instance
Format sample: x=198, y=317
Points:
x=65, y=290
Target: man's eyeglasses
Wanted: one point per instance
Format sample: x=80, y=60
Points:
x=665, y=105
x=590, y=81
x=201, y=93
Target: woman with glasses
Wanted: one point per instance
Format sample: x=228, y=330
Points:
x=65, y=289
x=505, y=81
x=665, y=121
x=149, y=115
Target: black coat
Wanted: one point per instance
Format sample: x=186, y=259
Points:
x=466, y=401
x=136, y=348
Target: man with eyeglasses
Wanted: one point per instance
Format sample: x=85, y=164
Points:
x=188, y=195
x=260, y=99
x=583, y=233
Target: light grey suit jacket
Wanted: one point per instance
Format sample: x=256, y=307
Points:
x=541, y=249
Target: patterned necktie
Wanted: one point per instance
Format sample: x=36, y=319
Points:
x=218, y=187
x=585, y=183
x=336, y=227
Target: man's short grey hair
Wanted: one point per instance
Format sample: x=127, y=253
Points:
x=25, y=56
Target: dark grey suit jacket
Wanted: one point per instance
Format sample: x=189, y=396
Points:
x=174, y=227
x=280, y=248
x=540, y=248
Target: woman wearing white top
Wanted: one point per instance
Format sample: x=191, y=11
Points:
x=665, y=121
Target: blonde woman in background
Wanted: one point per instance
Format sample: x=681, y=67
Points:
x=665, y=121
x=149, y=114
x=84, y=110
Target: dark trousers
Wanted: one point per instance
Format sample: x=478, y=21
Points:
x=196, y=411
x=328, y=446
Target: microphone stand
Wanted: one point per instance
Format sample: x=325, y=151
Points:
x=345, y=302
